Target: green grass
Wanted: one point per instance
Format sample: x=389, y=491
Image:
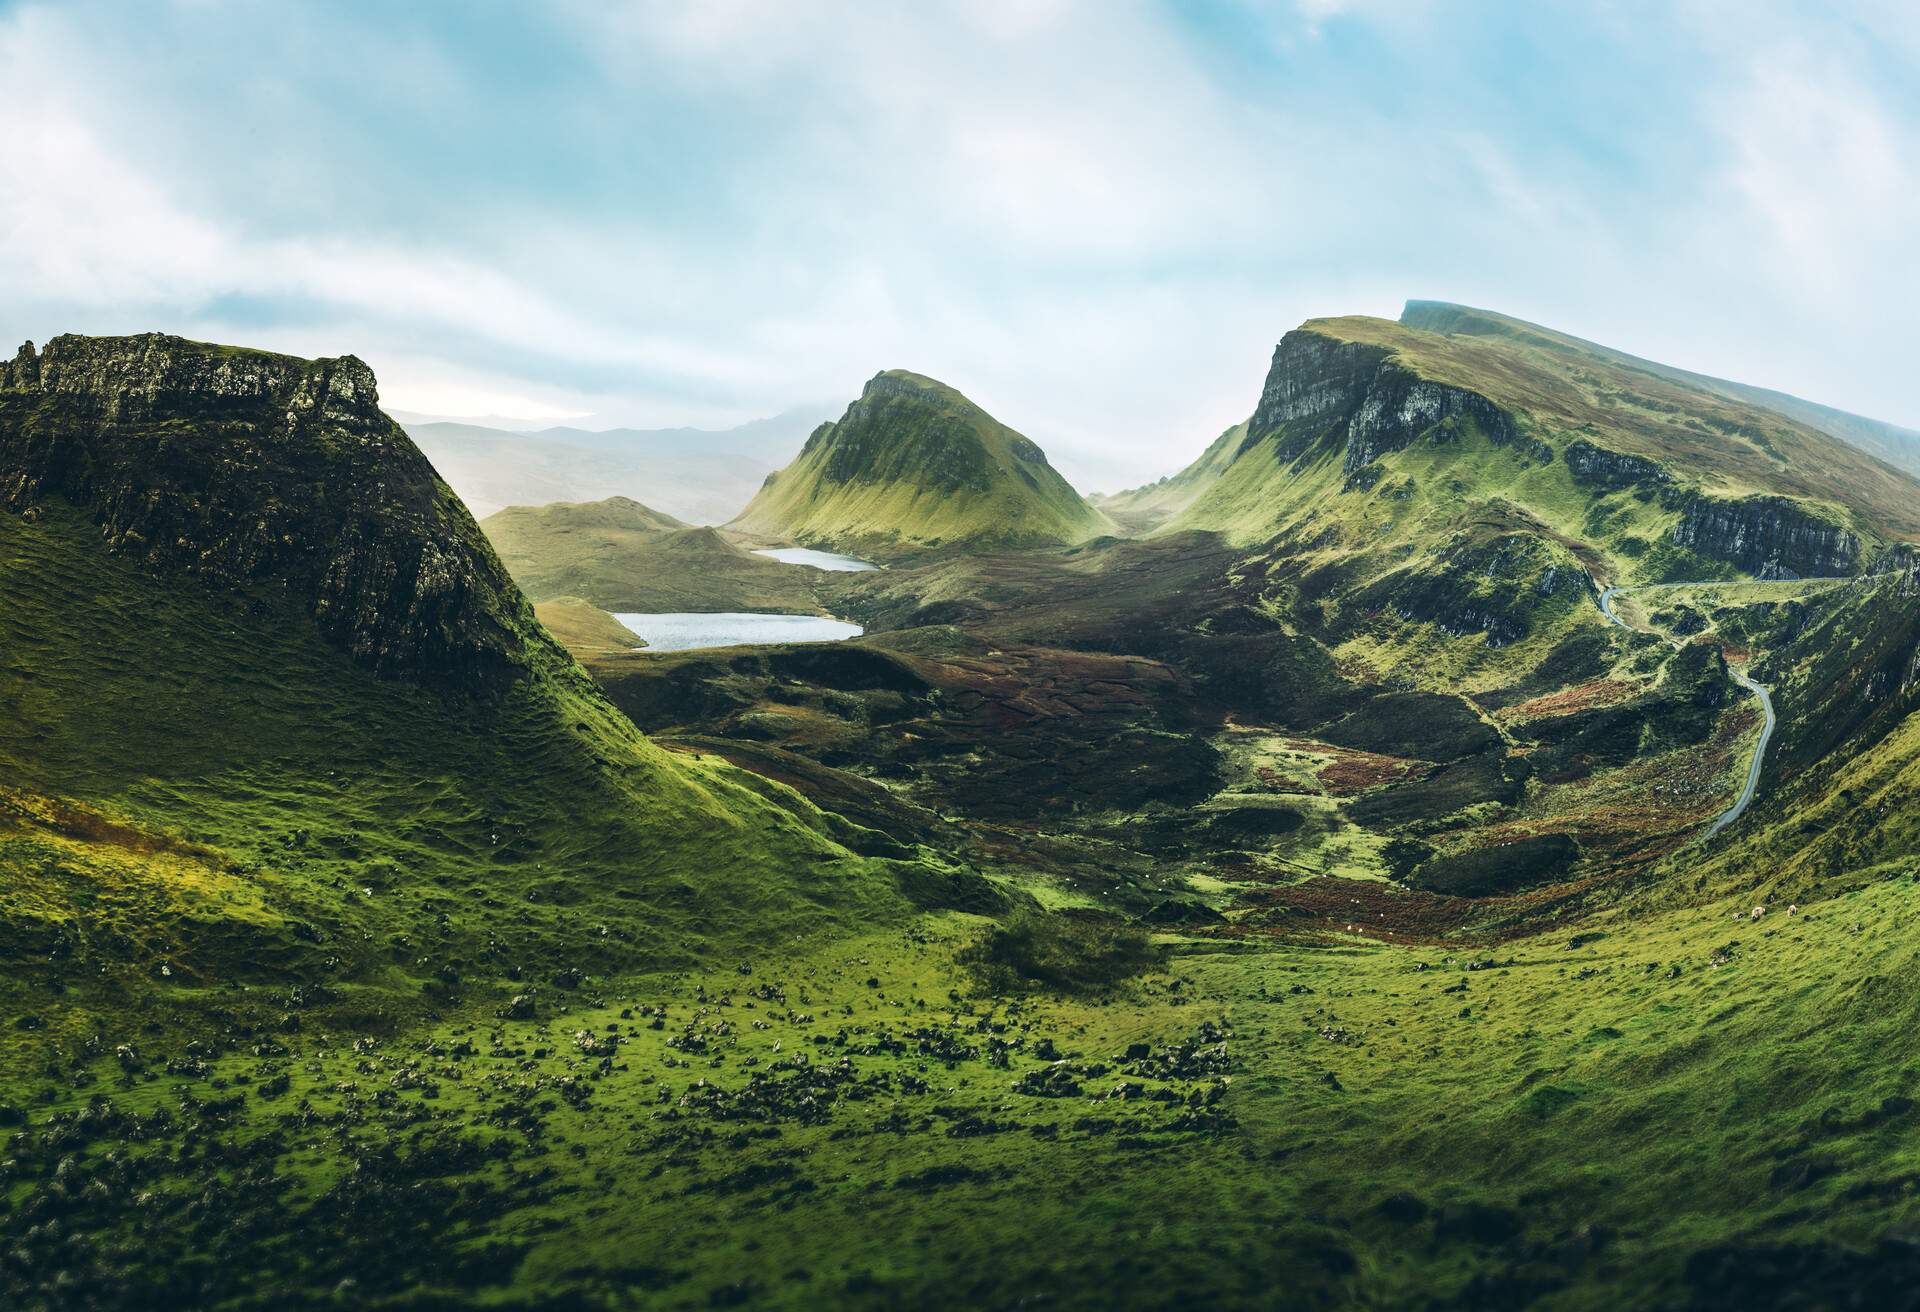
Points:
x=250, y=807
x=620, y=556
x=914, y=468
x=1726, y=446
x=317, y=976
x=1580, y=1090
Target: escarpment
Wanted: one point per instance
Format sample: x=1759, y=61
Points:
x=1320, y=389
x=1768, y=537
x=246, y=467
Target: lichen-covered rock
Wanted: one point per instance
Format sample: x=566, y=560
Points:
x=1769, y=537
x=242, y=466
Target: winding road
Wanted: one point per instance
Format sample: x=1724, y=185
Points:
x=1739, y=808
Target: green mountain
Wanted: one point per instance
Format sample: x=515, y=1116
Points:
x=1334, y=893
x=620, y=556
x=273, y=710
x=1651, y=467
x=914, y=468
x=1145, y=508
x=1889, y=442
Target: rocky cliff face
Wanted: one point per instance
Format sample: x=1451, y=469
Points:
x=1613, y=471
x=1769, y=537
x=1319, y=389
x=244, y=467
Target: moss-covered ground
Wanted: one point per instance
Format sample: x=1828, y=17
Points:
x=1564, y=1123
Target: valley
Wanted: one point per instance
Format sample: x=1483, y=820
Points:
x=1450, y=846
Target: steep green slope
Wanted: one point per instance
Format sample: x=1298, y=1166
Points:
x=1455, y=499
x=1143, y=509
x=1889, y=442
x=584, y=629
x=271, y=713
x=914, y=468
x=621, y=556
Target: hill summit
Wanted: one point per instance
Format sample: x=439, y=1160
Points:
x=242, y=466
x=1381, y=434
x=913, y=467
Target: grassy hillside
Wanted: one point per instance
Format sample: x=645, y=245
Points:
x=224, y=767
x=1889, y=442
x=620, y=556
x=1453, y=501
x=1143, y=509
x=912, y=468
x=584, y=629
x=1549, y=395
x=358, y=951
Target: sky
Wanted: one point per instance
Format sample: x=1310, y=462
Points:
x=1095, y=217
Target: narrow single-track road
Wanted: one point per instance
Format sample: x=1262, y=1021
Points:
x=1739, y=808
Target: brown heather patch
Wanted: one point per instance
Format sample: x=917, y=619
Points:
x=70, y=820
x=1350, y=770
x=1582, y=697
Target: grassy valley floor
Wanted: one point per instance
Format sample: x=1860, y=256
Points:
x=855, y=1124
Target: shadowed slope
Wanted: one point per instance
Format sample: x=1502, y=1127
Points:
x=912, y=468
x=201, y=576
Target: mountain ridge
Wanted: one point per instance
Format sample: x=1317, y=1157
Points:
x=236, y=465
x=697, y=475
x=913, y=467
x=1891, y=442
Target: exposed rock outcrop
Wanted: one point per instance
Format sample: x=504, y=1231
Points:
x=23, y=371
x=1499, y=588
x=1615, y=471
x=244, y=466
x=1319, y=390
x=1770, y=537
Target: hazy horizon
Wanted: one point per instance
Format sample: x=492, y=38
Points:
x=1094, y=220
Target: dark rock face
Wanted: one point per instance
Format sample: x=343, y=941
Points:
x=1356, y=394
x=21, y=371
x=1499, y=588
x=1614, y=471
x=244, y=466
x=1769, y=537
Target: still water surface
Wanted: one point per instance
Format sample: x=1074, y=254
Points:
x=684, y=630
x=832, y=560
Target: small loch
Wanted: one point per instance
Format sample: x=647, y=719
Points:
x=686, y=630
x=830, y=560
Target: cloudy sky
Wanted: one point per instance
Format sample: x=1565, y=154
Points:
x=1095, y=218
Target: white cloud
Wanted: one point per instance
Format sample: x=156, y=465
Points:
x=1077, y=212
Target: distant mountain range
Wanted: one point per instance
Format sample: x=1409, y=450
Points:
x=700, y=476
